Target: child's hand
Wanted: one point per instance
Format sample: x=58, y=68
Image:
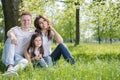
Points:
x=40, y=56
x=36, y=58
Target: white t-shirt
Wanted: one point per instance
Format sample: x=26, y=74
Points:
x=47, y=45
x=23, y=38
x=36, y=52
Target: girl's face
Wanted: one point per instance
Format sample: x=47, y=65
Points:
x=26, y=21
x=38, y=41
x=43, y=23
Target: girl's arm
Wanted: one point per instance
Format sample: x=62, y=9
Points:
x=57, y=36
x=26, y=53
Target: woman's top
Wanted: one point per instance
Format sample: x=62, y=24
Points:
x=47, y=44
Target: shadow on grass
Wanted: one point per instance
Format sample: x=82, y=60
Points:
x=103, y=57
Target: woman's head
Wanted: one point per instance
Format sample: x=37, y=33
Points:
x=26, y=19
x=41, y=22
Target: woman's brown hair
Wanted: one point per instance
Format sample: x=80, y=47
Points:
x=38, y=27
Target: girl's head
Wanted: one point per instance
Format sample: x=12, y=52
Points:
x=36, y=42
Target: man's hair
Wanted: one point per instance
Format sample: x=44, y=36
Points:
x=26, y=13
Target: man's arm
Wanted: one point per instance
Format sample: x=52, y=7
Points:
x=11, y=35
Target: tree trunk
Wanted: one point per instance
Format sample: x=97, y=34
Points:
x=110, y=34
x=77, y=27
x=11, y=13
x=99, y=36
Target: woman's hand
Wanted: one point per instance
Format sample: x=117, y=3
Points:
x=51, y=27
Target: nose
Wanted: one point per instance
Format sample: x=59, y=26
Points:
x=45, y=22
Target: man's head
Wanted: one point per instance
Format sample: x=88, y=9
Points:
x=26, y=19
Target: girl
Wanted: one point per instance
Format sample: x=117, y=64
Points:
x=35, y=50
x=44, y=27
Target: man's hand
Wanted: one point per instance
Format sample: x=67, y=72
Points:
x=12, y=36
x=14, y=41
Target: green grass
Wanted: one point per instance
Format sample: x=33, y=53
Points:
x=93, y=62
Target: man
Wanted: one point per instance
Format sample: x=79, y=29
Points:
x=13, y=50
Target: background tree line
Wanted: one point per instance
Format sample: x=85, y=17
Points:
x=99, y=19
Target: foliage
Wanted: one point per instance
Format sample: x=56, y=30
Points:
x=1, y=33
x=105, y=16
x=93, y=61
x=53, y=9
x=93, y=15
x=1, y=24
x=1, y=16
x=99, y=16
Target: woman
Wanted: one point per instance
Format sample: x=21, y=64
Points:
x=44, y=27
x=35, y=50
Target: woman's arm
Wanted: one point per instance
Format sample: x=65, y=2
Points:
x=57, y=36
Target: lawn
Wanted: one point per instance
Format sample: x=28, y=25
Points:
x=93, y=62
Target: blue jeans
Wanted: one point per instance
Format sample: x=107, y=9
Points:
x=44, y=62
x=61, y=49
x=48, y=60
x=8, y=53
x=9, y=56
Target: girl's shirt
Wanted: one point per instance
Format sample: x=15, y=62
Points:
x=47, y=44
x=23, y=38
x=36, y=52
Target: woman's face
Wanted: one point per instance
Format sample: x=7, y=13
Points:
x=43, y=23
x=38, y=41
x=26, y=21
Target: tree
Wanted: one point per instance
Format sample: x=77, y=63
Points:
x=11, y=13
x=77, y=23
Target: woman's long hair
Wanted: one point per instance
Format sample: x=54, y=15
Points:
x=38, y=27
x=32, y=45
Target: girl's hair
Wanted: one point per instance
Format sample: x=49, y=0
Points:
x=38, y=27
x=32, y=45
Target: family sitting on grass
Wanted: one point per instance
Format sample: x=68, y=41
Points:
x=25, y=46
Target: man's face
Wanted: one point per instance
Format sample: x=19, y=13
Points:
x=26, y=21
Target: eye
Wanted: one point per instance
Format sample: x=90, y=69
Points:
x=41, y=23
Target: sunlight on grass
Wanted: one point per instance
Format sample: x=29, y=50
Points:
x=93, y=62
